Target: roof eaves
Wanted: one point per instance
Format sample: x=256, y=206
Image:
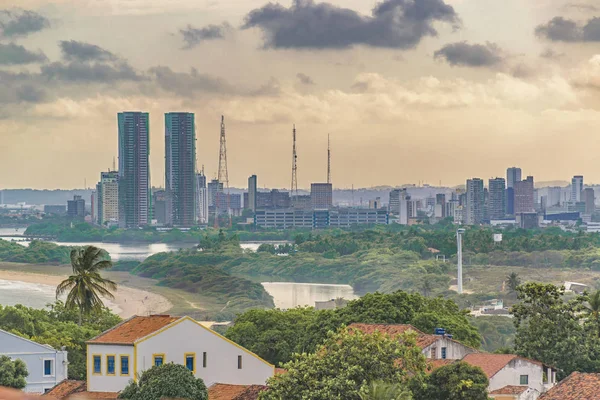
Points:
x=91, y=341
x=156, y=332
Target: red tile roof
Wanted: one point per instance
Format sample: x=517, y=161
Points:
x=70, y=389
x=128, y=331
x=510, y=389
x=438, y=363
x=220, y=391
x=423, y=339
x=577, y=386
x=492, y=363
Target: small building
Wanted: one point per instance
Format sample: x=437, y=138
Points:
x=220, y=391
x=577, y=386
x=514, y=393
x=46, y=366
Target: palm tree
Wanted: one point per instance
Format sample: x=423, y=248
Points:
x=513, y=281
x=380, y=390
x=86, y=285
x=593, y=306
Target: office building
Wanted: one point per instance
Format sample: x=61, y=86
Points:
x=439, y=210
x=497, y=198
x=228, y=203
x=513, y=175
x=302, y=202
x=524, y=202
x=160, y=207
x=589, y=200
x=576, y=188
x=108, y=198
x=394, y=201
x=135, y=198
x=321, y=195
x=201, y=199
x=273, y=199
x=57, y=209
x=76, y=207
x=213, y=187
x=474, y=202
x=319, y=219
x=180, y=168
x=252, y=191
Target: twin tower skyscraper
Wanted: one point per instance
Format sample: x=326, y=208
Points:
x=135, y=196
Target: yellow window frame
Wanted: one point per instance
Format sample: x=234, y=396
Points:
x=185, y=357
x=121, y=356
x=114, y=356
x=93, y=364
x=164, y=358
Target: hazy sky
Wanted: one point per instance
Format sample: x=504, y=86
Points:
x=409, y=90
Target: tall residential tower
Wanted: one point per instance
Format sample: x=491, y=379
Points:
x=513, y=175
x=474, y=202
x=497, y=198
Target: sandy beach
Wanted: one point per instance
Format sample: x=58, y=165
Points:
x=128, y=301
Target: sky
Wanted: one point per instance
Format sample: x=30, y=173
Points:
x=430, y=91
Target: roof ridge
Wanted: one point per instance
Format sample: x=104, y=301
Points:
x=44, y=345
x=178, y=318
x=113, y=328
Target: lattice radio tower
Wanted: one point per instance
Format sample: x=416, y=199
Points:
x=223, y=176
x=328, y=160
x=294, y=187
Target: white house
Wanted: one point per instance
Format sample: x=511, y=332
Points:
x=122, y=353
x=46, y=366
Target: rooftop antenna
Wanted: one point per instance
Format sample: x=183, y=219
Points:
x=328, y=160
x=294, y=187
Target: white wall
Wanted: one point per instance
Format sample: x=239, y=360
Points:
x=104, y=382
x=454, y=350
x=510, y=375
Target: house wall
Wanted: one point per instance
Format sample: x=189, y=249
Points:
x=34, y=354
x=511, y=373
x=454, y=350
x=104, y=382
x=222, y=355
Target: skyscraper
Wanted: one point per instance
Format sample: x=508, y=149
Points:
x=108, y=198
x=576, y=188
x=497, y=200
x=180, y=168
x=524, y=201
x=135, y=199
x=252, y=186
x=201, y=199
x=76, y=207
x=321, y=195
x=513, y=175
x=474, y=202
x=589, y=199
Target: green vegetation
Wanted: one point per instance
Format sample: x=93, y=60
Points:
x=345, y=366
x=86, y=285
x=12, y=373
x=168, y=381
x=456, y=381
x=37, y=252
x=496, y=332
x=276, y=335
x=380, y=390
x=58, y=327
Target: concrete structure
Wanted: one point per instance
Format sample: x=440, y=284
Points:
x=318, y=219
x=213, y=187
x=124, y=352
x=135, y=198
x=576, y=188
x=108, y=198
x=180, y=168
x=201, y=199
x=524, y=200
x=527, y=220
x=252, y=191
x=513, y=175
x=302, y=202
x=57, y=209
x=321, y=195
x=46, y=366
x=440, y=206
x=225, y=203
x=375, y=203
x=76, y=207
x=272, y=199
x=160, y=207
x=589, y=198
x=474, y=202
x=497, y=198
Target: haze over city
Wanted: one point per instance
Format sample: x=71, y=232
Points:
x=465, y=88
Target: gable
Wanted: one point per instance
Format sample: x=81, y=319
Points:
x=11, y=344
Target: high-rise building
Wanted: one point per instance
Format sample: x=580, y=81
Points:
x=201, y=199
x=589, y=199
x=135, y=198
x=252, y=190
x=524, y=201
x=497, y=198
x=473, y=212
x=180, y=168
x=513, y=175
x=394, y=201
x=213, y=187
x=576, y=188
x=160, y=207
x=321, y=195
x=76, y=207
x=94, y=209
x=108, y=198
x=440, y=206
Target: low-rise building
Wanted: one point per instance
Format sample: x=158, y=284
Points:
x=577, y=386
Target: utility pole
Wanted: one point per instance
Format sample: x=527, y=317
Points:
x=459, y=278
x=294, y=186
x=328, y=160
x=223, y=176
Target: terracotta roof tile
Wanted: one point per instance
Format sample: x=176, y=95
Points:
x=438, y=363
x=423, y=339
x=66, y=388
x=577, y=386
x=220, y=391
x=510, y=389
x=94, y=395
x=489, y=363
x=128, y=331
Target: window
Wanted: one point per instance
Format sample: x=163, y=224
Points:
x=97, y=365
x=190, y=361
x=124, y=365
x=524, y=380
x=48, y=367
x=204, y=360
x=159, y=359
x=239, y=362
x=443, y=353
x=110, y=365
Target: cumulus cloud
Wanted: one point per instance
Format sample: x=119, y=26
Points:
x=14, y=54
x=305, y=24
x=73, y=50
x=561, y=29
x=18, y=88
x=470, y=55
x=587, y=75
x=15, y=23
x=186, y=84
x=304, y=79
x=80, y=72
x=551, y=54
x=194, y=36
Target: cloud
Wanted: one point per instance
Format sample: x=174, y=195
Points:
x=194, y=36
x=15, y=23
x=471, y=55
x=560, y=29
x=305, y=24
x=186, y=84
x=551, y=54
x=304, y=79
x=587, y=75
x=14, y=54
x=581, y=7
x=73, y=50
x=80, y=72
x=16, y=88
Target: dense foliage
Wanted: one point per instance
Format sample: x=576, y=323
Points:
x=276, y=335
x=457, y=381
x=168, y=381
x=345, y=365
x=57, y=326
x=497, y=332
x=12, y=373
x=37, y=252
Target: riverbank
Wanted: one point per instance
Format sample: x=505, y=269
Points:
x=128, y=301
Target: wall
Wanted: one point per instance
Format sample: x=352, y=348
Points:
x=34, y=354
x=510, y=375
x=454, y=349
x=104, y=382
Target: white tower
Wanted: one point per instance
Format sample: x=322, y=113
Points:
x=459, y=234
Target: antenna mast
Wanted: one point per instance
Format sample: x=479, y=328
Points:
x=294, y=187
x=328, y=160
x=223, y=176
